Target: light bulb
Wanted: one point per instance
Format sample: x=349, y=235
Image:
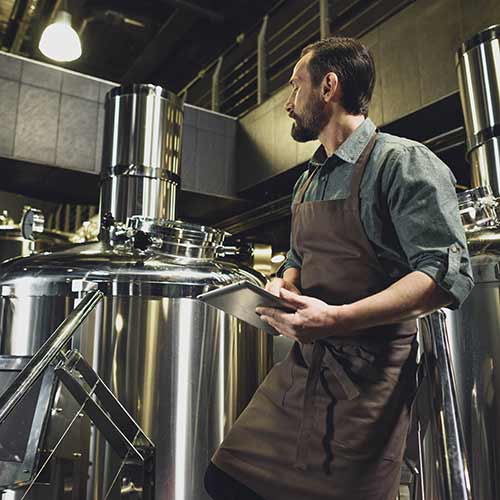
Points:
x=278, y=258
x=59, y=41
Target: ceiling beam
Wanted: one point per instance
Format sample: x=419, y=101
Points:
x=157, y=51
x=213, y=16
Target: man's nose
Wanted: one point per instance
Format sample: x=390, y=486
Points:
x=289, y=107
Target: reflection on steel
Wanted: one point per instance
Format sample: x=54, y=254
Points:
x=182, y=370
x=446, y=430
x=141, y=153
x=478, y=64
x=473, y=329
x=46, y=354
x=120, y=430
x=475, y=353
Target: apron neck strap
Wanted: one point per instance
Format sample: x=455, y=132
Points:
x=302, y=191
x=359, y=168
x=357, y=175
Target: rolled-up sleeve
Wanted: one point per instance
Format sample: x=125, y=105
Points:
x=422, y=202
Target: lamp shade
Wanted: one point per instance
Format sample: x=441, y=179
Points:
x=59, y=41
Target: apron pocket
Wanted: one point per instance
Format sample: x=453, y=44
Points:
x=373, y=424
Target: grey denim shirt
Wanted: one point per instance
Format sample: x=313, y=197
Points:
x=408, y=207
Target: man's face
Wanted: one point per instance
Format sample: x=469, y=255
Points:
x=305, y=104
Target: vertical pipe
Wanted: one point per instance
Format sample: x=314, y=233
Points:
x=444, y=418
x=262, y=62
x=216, y=85
x=478, y=69
x=141, y=154
x=324, y=18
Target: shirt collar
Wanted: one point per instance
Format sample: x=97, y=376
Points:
x=350, y=150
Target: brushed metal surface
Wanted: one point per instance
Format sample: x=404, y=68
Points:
x=475, y=352
x=182, y=369
x=141, y=152
x=478, y=67
x=482, y=160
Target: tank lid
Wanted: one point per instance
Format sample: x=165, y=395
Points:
x=486, y=35
x=179, y=238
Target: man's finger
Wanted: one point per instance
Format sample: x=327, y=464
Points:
x=277, y=314
x=280, y=327
x=295, y=300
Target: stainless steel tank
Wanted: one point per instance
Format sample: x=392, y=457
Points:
x=183, y=370
x=474, y=329
x=478, y=65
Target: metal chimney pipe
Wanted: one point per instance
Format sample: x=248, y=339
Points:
x=478, y=67
x=141, y=153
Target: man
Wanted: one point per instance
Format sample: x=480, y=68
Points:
x=376, y=242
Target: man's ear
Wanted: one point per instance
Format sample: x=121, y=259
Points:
x=330, y=88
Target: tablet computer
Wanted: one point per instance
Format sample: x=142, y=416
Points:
x=240, y=300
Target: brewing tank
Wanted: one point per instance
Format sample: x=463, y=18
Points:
x=182, y=369
x=478, y=68
x=474, y=328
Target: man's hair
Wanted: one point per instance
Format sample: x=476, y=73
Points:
x=353, y=64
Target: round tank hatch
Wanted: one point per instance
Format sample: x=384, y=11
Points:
x=177, y=238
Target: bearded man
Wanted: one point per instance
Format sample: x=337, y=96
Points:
x=376, y=242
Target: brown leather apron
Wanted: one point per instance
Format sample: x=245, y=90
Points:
x=330, y=421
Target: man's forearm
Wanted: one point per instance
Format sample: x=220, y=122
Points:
x=292, y=275
x=414, y=295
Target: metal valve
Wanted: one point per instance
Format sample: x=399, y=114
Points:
x=32, y=223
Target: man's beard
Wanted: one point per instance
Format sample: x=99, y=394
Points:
x=314, y=119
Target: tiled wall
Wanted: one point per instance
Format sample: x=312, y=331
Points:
x=414, y=53
x=50, y=116
x=55, y=117
x=208, y=152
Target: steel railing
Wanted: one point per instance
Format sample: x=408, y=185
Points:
x=259, y=63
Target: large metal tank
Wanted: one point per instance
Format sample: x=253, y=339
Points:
x=474, y=329
x=183, y=370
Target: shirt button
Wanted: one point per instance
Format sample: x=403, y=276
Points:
x=454, y=248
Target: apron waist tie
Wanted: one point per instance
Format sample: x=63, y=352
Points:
x=344, y=389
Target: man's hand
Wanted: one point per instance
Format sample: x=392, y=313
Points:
x=313, y=319
x=278, y=284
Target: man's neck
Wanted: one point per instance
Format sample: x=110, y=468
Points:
x=338, y=130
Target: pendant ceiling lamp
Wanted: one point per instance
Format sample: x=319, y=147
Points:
x=59, y=41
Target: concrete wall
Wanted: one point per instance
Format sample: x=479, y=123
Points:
x=55, y=117
x=414, y=55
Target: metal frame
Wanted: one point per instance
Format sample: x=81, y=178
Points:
x=96, y=400
x=21, y=472
x=324, y=18
x=216, y=85
x=305, y=25
x=109, y=416
x=262, y=62
x=46, y=354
